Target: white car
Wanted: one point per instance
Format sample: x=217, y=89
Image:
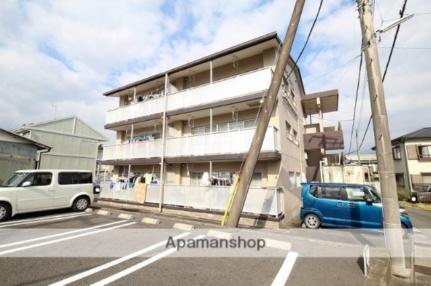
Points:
x=37, y=190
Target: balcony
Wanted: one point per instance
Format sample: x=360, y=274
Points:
x=226, y=91
x=330, y=139
x=218, y=145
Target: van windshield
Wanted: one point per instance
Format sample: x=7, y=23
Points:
x=15, y=180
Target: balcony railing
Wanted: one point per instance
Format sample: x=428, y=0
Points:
x=225, y=89
x=232, y=142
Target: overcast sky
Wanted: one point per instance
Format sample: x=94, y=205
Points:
x=58, y=57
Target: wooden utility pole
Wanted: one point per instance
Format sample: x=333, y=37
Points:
x=391, y=212
x=263, y=119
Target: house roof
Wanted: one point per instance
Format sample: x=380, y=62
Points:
x=230, y=50
x=65, y=125
x=23, y=139
x=424, y=133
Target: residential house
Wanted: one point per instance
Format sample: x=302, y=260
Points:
x=18, y=153
x=189, y=128
x=74, y=143
x=412, y=159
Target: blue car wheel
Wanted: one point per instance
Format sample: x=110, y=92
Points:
x=312, y=221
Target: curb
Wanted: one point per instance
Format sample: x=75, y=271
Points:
x=103, y=212
x=183, y=226
x=125, y=216
x=149, y=220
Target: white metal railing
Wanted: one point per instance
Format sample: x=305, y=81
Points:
x=232, y=142
x=224, y=89
x=259, y=200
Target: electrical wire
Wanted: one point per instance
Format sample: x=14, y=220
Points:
x=356, y=100
x=295, y=63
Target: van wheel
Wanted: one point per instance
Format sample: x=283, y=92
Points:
x=80, y=204
x=5, y=211
x=312, y=221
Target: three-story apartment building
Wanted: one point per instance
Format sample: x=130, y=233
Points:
x=190, y=127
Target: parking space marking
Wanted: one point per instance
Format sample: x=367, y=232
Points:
x=183, y=226
x=285, y=269
x=43, y=219
x=138, y=266
x=57, y=234
x=102, y=267
x=64, y=238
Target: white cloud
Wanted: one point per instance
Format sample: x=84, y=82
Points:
x=68, y=53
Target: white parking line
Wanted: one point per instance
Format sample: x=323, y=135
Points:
x=63, y=239
x=138, y=266
x=58, y=234
x=42, y=219
x=285, y=269
x=114, y=262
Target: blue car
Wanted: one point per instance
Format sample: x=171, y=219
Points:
x=344, y=205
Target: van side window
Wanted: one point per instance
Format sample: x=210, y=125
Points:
x=39, y=179
x=73, y=178
x=335, y=193
x=85, y=178
x=356, y=194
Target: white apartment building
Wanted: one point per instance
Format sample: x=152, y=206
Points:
x=189, y=128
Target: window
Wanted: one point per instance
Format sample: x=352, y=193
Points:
x=198, y=130
x=288, y=130
x=85, y=178
x=295, y=136
x=335, y=193
x=396, y=153
x=195, y=178
x=74, y=178
x=424, y=152
x=39, y=179
x=355, y=194
x=256, y=180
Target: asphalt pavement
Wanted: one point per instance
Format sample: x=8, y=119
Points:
x=66, y=248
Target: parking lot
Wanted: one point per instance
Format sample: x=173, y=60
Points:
x=62, y=248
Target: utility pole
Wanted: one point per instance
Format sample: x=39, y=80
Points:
x=391, y=212
x=263, y=119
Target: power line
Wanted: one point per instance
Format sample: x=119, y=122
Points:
x=308, y=38
x=294, y=66
x=407, y=48
x=356, y=100
x=386, y=67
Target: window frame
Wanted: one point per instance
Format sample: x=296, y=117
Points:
x=32, y=174
x=79, y=178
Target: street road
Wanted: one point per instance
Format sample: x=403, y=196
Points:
x=66, y=248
